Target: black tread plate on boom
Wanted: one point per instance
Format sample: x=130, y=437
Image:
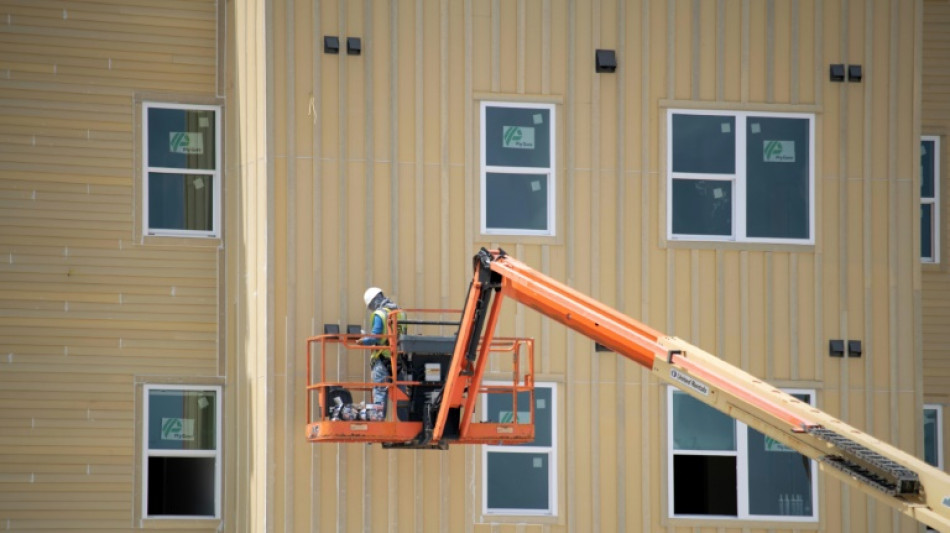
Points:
x=867, y=465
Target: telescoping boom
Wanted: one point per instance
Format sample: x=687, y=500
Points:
x=445, y=412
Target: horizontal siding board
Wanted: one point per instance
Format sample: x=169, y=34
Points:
x=144, y=338
x=68, y=211
x=170, y=7
x=26, y=119
x=95, y=33
x=168, y=53
x=97, y=175
x=193, y=257
x=178, y=85
x=73, y=193
x=24, y=104
x=84, y=468
x=78, y=15
x=130, y=302
x=131, y=294
x=108, y=67
x=133, y=267
x=54, y=403
x=175, y=285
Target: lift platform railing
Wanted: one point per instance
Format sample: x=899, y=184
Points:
x=421, y=342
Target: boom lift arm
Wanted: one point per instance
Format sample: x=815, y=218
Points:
x=883, y=471
x=878, y=469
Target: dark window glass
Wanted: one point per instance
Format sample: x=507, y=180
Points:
x=927, y=170
x=518, y=137
x=180, y=201
x=516, y=201
x=704, y=144
x=702, y=207
x=700, y=427
x=499, y=410
x=931, y=438
x=518, y=480
x=777, y=168
x=705, y=485
x=181, y=138
x=181, y=486
x=181, y=420
x=926, y=231
x=779, y=477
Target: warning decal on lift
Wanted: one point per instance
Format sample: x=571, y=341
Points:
x=690, y=382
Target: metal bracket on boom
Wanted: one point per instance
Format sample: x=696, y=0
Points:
x=671, y=353
x=867, y=465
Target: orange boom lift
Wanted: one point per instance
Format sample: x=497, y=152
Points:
x=437, y=404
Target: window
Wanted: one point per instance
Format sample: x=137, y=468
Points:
x=929, y=193
x=722, y=468
x=746, y=177
x=517, y=169
x=181, y=170
x=522, y=479
x=182, y=456
x=933, y=435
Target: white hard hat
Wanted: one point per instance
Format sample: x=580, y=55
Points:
x=371, y=294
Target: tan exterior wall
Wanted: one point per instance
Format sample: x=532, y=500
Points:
x=935, y=121
x=936, y=278
x=89, y=309
x=376, y=182
x=344, y=171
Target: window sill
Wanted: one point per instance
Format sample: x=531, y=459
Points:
x=739, y=246
x=736, y=523
x=197, y=524
x=520, y=519
x=520, y=239
x=181, y=241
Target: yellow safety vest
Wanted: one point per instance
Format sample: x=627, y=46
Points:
x=383, y=315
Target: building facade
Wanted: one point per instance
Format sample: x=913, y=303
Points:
x=192, y=188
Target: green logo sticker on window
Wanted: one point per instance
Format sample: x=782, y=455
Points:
x=186, y=142
x=508, y=417
x=778, y=151
x=178, y=429
x=520, y=137
x=772, y=445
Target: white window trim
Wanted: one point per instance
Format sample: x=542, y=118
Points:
x=215, y=173
x=216, y=453
x=739, y=229
x=741, y=453
x=935, y=201
x=551, y=452
x=550, y=171
x=939, y=440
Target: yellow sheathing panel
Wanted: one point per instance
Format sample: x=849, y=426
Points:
x=249, y=241
x=935, y=121
x=87, y=307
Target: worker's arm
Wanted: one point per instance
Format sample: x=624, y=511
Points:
x=377, y=329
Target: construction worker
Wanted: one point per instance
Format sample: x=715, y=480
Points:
x=381, y=370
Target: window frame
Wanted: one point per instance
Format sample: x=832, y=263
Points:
x=550, y=451
x=214, y=174
x=739, y=179
x=216, y=453
x=550, y=171
x=938, y=408
x=933, y=201
x=742, y=469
